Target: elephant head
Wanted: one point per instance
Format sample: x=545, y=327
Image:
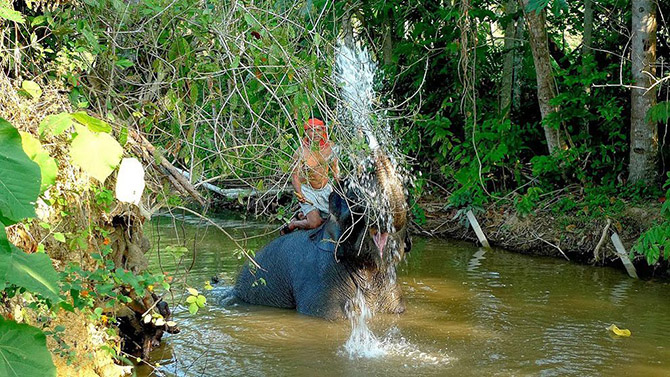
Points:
x=370, y=217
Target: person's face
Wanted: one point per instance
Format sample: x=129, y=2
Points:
x=315, y=133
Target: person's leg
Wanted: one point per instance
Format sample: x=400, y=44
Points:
x=311, y=221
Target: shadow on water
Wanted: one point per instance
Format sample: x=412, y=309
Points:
x=470, y=312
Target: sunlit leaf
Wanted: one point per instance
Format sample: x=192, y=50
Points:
x=55, y=124
x=93, y=124
x=97, y=153
x=10, y=14
x=32, y=88
x=124, y=63
x=48, y=167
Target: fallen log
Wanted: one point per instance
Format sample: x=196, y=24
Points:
x=234, y=193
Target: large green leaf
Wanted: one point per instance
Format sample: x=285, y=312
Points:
x=56, y=123
x=33, y=272
x=4, y=246
x=10, y=14
x=93, y=124
x=19, y=177
x=48, y=167
x=97, y=153
x=23, y=351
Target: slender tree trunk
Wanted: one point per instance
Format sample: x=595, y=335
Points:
x=546, y=91
x=347, y=31
x=508, y=63
x=587, y=40
x=587, y=55
x=643, y=134
x=387, y=44
x=518, y=65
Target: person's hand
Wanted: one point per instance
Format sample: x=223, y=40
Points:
x=300, y=196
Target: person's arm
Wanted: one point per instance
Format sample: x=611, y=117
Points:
x=295, y=176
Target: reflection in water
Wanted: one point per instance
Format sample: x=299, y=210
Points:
x=475, y=261
x=469, y=313
x=620, y=292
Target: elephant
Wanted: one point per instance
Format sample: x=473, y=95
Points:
x=320, y=272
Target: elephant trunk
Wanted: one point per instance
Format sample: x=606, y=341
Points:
x=392, y=189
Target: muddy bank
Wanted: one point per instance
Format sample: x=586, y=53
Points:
x=544, y=233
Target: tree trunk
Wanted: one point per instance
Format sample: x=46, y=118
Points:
x=508, y=63
x=388, y=41
x=546, y=91
x=643, y=134
x=518, y=65
x=587, y=40
x=587, y=56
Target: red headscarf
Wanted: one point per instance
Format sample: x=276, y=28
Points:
x=316, y=123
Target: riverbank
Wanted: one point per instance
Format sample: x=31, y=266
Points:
x=573, y=235
x=569, y=235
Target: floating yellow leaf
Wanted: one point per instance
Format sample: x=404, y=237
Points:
x=617, y=331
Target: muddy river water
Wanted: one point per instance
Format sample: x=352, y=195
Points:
x=469, y=312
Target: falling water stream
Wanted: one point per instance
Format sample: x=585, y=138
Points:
x=469, y=312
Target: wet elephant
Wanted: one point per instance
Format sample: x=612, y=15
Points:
x=319, y=272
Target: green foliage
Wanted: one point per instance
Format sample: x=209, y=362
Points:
x=107, y=150
x=19, y=177
x=23, y=351
x=558, y=6
x=104, y=198
x=195, y=300
x=31, y=271
x=9, y=14
x=655, y=242
x=659, y=112
x=31, y=88
x=250, y=65
x=48, y=168
x=525, y=203
x=106, y=284
x=55, y=124
x=22, y=347
x=93, y=124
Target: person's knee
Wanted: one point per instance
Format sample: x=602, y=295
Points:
x=314, y=219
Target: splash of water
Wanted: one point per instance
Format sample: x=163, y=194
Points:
x=361, y=116
x=363, y=344
x=355, y=75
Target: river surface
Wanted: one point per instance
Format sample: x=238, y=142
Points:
x=470, y=312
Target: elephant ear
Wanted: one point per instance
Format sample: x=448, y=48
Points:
x=330, y=236
x=338, y=206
